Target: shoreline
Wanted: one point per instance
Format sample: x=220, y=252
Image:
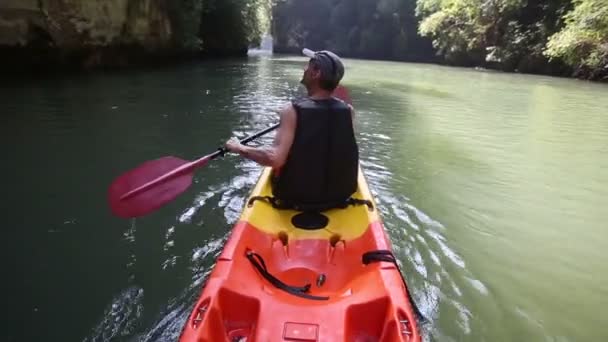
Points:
x=20, y=61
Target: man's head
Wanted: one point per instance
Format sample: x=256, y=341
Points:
x=324, y=70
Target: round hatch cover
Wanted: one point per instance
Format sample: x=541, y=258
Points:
x=310, y=220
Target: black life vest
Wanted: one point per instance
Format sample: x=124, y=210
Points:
x=322, y=166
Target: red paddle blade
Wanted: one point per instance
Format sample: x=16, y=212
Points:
x=152, y=198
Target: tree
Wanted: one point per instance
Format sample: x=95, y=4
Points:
x=231, y=26
x=381, y=29
x=583, y=42
x=466, y=31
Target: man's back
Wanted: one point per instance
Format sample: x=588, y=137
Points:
x=314, y=154
x=322, y=166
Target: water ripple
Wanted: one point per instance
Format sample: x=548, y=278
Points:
x=121, y=317
x=201, y=199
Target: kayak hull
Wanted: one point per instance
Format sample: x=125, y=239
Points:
x=351, y=301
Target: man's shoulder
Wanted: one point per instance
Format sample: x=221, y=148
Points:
x=288, y=110
x=338, y=102
x=301, y=101
x=307, y=102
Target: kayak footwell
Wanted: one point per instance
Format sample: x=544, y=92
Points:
x=366, y=302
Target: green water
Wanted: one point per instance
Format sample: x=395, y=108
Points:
x=492, y=187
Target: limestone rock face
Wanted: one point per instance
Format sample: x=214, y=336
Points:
x=87, y=27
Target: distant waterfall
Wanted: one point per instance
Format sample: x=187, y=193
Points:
x=265, y=47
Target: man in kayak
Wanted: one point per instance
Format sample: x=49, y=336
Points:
x=314, y=156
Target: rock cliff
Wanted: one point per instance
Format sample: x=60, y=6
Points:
x=84, y=33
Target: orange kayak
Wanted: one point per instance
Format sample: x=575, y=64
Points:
x=288, y=276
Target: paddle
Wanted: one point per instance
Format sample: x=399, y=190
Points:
x=157, y=182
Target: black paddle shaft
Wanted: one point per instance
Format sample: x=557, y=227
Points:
x=222, y=150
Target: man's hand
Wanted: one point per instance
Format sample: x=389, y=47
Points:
x=276, y=155
x=233, y=145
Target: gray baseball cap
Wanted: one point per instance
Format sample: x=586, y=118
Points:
x=330, y=64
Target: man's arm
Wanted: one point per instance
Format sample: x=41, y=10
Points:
x=276, y=155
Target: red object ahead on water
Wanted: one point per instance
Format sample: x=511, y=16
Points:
x=157, y=182
x=342, y=93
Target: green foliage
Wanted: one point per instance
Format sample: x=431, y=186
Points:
x=466, y=29
x=583, y=42
x=185, y=20
x=230, y=26
x=385, y=29
x=525, y=35
x=511, y=34
x=456, y=26
x=218, y=26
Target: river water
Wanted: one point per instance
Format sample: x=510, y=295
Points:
x=492, y=187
